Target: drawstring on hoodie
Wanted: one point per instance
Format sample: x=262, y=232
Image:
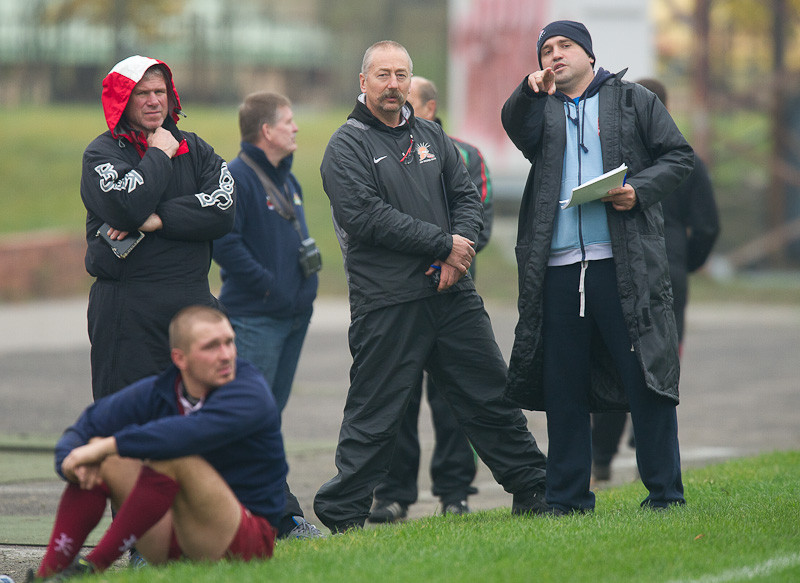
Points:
x=579, y=121
x=580, y=127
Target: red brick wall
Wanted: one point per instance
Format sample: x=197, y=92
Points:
x=42, y=264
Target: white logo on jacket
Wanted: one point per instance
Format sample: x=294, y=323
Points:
x=108, y=178
x=222, y=197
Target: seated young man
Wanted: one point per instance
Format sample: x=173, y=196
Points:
x=193, y=460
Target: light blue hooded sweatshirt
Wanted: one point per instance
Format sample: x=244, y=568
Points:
x=581, y=233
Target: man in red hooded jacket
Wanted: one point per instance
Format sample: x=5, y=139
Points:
x=146, y=183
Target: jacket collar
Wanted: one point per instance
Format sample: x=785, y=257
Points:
x=362, y=113
x=278, y=174
x=594, y=87
x=165, y=384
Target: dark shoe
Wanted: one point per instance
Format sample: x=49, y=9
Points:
x=529, y=502
x=387, y=512
x=303, y=529
x=648, y=505
x=78, y=568
x=456, y=508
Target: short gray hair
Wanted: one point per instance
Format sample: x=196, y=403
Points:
x=384, y=44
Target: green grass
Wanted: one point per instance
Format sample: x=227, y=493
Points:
x=40, y=162
x=742, y=517
x=23, y=466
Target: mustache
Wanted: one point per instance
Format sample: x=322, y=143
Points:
x=391, y=93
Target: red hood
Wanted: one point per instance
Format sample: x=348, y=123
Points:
x=119, y=83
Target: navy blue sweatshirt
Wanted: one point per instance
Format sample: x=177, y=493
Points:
x=259, y=258
x=237, y=431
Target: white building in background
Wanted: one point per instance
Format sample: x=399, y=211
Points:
x=493, y=46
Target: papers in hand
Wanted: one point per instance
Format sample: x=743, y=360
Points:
x=596, y=188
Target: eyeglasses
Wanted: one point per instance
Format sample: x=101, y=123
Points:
x=407, y=157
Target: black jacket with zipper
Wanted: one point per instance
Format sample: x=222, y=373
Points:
x=397, y=196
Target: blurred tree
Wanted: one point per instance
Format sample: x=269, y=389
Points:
x=420, y=25
x=744, y=57
x=758, y=14
x=141, y=16
x=701, y=79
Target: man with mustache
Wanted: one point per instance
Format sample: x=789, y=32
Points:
x=454, y=464
x=407, y=216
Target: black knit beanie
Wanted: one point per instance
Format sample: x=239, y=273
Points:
x=569, y=29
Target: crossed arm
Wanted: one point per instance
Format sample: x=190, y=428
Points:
x=82, y=465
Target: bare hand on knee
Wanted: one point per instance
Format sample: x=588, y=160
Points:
x=82, y=465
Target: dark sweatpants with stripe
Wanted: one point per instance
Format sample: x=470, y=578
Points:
x=449, y=336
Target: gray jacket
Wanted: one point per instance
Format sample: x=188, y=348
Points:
x=636, y=129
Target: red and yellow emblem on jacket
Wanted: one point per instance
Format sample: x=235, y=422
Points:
x=425, y=154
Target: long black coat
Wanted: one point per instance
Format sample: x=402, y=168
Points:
x=636, y=129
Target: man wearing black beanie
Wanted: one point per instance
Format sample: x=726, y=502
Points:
x=596, y=326
x=569, y=29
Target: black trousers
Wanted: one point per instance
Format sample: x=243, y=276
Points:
x=567, y=338
x=449, y=336
x=453, y=465
x=607, y=427
x=129, y=328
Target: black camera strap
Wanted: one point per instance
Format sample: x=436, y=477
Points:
x=280, y=200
